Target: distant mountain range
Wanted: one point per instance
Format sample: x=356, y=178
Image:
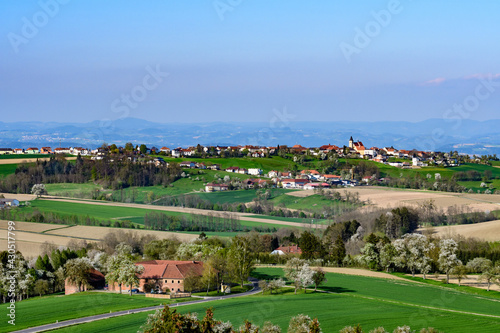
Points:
x=466, y=136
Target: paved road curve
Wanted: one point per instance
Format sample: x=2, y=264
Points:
x=77, y=321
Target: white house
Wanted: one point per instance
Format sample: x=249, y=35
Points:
x=255, y=172
x=62, y=151
x=211, y=187
x=176, y=153
x=272, y=174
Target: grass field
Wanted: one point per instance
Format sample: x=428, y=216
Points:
x=7, y=169
x=107, y=212
x=39, y=311
x=371, y=302
x=476, y=186
x=314, y=203
x=240, y=196
x=194, y=183
x=23, y=156
x=292, y=219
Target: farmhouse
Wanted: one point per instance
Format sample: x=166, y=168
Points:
x=187, y=164
x=255, y=171
x=232, y=169
x=283, y=250
x=5, y=151
x=62, y=151
x=312, y=186
x=294, y=183
x=9, y=203
x=96, y=281
x=212, y=187
x=45, y=150
x=32, y=151
x=169, y=274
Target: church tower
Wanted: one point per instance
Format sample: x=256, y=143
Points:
x=351, y=143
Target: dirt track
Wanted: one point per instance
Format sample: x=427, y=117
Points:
x=29, y=236
x=361, y=272
x=242, y=216
x=20, y=197
x=28, y=160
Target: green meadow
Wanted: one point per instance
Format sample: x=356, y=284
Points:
x=107, y=212
x=38, y=311
x=347, y=300
x=7, y=169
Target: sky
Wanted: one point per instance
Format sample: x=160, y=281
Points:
x=241, y=60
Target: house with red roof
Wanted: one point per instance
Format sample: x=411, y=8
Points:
x=45, y=150
x=168, y=274
x=96, y=281
x=284, y=250
x=293, y=183
x=212, y=187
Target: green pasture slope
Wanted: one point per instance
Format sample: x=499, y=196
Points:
x=7, y=169
x=45, y=310
x=352, y=300
x=387, y=170
x=108, y=212
x=313, y=203
x=266, y=164
x=23, y=156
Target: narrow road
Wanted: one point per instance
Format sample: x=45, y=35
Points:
x=77, y=321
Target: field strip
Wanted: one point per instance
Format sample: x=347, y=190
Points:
x=29, y=160
x=21, y=232
x=413, y=305
x=242, y=216
x=352, y=271
x=31, y=226
x=64, y=227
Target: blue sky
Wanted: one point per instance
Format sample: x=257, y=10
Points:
x=232, y=60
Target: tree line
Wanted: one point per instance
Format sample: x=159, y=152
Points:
x=194, y=222
x=116, y=173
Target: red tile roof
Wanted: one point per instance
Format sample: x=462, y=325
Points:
x=290, y=249
x=170, y=269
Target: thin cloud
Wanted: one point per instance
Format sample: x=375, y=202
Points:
x=434, y=82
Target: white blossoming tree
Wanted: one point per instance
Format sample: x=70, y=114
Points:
x=448, y=256
x=38, y=190
x=412, y=252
